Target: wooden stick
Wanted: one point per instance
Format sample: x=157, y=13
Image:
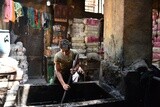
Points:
x=73, y=65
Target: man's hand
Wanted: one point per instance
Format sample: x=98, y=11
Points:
x=73, y=70
x=66, y=87
x=80, y=70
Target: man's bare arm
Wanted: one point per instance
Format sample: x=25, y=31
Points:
x=59, y=76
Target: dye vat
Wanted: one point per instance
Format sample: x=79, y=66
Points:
x=80, y=94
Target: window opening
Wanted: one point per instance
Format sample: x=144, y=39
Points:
x=95, y=6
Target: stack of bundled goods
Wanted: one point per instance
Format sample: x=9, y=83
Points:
x=92, y=37
x=18, y=53
x=156, y=37
x=78, y=36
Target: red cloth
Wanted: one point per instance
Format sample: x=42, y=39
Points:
x=156, y=39
x=156, y=44
x=91, y=39
x=36, y=16
x=156, y=56
x=93, y=22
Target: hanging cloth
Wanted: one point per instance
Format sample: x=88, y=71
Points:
x=13, y=13
x=45, y=20
x=36, y=16
x=30, y=14
x=9, y=13
x=37, y=19
x=18, y=10
x=42, y=19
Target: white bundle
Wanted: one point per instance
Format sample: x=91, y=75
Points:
x=13, y=50
x=77, y=39
x=158, y=20
x=19, y=58
x=8, y=61
x=77, y=28
x=91, y=28
x=18, y=47
x=154, y=22
x=24, y=50
x=17, y=50
x=14, y=57
x=79, y=47
x=57, y=28
x=82, y=34
x=81, y=51
x=154, y=33
x=78, y=44
x=20, y=44
x=20, y=53
x=93, y=56
x=22, y=58
x=96, y=44
x=25, y=78
x=88, y=33
x=91, y=49
x=158, y=32
x=23, y=65
x=156, y=49
x=77, y=20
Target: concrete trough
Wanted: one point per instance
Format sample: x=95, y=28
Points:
x=81, y=94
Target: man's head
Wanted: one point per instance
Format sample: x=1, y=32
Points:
x=65, y=46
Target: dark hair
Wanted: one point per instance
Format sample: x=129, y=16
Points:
x=64, y=43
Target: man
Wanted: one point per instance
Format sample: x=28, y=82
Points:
x=64, y=66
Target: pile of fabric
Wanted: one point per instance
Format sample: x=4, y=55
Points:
x=85, y=37
x=18, y=53
x=78, y=36
x=92, y=37
x=156, y=37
